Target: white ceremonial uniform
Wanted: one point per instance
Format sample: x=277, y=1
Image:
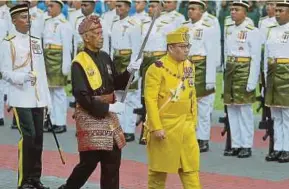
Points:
x=57, y=31
x=214, y=22
x=174, y=17
x=202, y=39
x=6, y=27
x=126, y=34
x=229, y=21
x=37, y=19
x=15, y=67
x=276, y=46
x=241, y=117
x=264, y=24
x=109, y=17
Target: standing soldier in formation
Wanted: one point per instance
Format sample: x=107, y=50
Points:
x=172, y=15
x=37, y=19
x=125, y=45
x=24, y=69
x=140, y=14
x=6, y=26
x=170, y=99
x=276, y=66
x=203, y=54
x=57, y=42
x=156, y=46
x=109, y=16
x=243, y=55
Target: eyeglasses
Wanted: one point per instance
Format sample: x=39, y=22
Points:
x=184, y=46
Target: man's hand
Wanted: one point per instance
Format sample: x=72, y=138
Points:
x=134, y=65
x=250, y=87
x=30, y=77
x=117, y=107
x=210, y=86
x=160, y=134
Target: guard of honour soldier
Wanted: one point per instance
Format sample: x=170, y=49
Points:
x=177, y=72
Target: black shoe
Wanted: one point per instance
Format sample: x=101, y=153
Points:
x=72, y=104
x=142, y=142
x=39, y=185
x=27, y=186
x=5, y=98
x=1, y=122
x=13, y=126
x=273, y=156
x=232, y=152
x=222, y=119
x=129, y=137
x=203, y=145
x=245, y=153
x=284, y=157
x=59, y=129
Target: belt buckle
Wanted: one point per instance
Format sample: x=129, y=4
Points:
x=234, y=59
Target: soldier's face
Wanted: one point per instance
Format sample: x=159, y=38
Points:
x=76, y=4
x=87, y=8
x=170, y=5
x=238, y=13
x=195, y=12
x=54, y=9
x=122, y=8
x=179, y=51
x=282, y=15
x=94, y=39
x=154, y=7
x=140, y=5
x=21, y=22
x=270, y=8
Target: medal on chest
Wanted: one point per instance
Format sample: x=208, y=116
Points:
x=242, y=36
x=2, y=16
x=36, y=49
x=198, y=34
x=55, y=27
x=285, y=37
x=109, y=69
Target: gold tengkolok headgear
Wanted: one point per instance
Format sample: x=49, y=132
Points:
x=178, y=36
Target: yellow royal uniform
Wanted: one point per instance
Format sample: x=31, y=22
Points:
x=170, y=98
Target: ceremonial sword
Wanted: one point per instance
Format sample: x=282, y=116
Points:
x=139, y=56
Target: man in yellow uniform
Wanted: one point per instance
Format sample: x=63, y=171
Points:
x=170, y=98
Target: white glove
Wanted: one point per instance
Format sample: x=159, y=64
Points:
x=30, y=77
x=262, y=92
x=136, y=77
x=65, y=69
x=210, y=86
x=117, y=107
x=250, y=87
x=134, y=65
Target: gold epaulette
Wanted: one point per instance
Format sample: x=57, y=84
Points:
x=34, y=37
x=63, y=20
x=79, y=17
x=40, y=11
x=250, y=27
x=206, y=24
x=9, y=37
x=164, y=22
x=146, y=21
x=211, y=16
x=46, y=19
x=263, y=18
x=273, y=26
x=229, y=24
x=186, y=22
x=132, y=22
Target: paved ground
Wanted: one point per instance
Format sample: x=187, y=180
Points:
x=217, y=172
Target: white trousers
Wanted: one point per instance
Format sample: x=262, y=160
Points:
x=281, y=128
x=241, y=119
x=204, y=117
x=59, y=106
x=2, y=89
x=128, y=118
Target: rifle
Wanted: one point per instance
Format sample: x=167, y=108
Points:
x=226, y=130
x=266, y=122
x=49, y=125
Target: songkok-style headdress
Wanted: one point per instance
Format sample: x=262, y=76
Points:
x=89, y=23
x=178, y=36
x=59, y=2
x=241, y=3
x=282, y=3
x=19, y=9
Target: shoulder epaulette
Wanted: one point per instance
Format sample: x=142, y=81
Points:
x=164, y=22
x=146, y=21
x=211, y=16
x=115, y=20
x=63, y=20
x=206, y=24
x=229, y=24
x=47, y=19
x=186, y=22
x=40, y=11
x=131, y=21
x=262, y=18
x=227, y=17
x=250, y=27
x=177, y=14
x=80, y=17
x=273, y=26
x=9, y=37
x=34, y=37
